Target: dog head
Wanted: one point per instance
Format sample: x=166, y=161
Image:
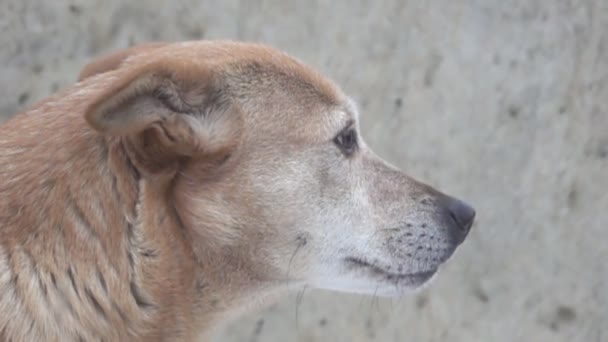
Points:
x=269, y=172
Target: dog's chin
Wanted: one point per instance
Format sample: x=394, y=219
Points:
x=384, y=282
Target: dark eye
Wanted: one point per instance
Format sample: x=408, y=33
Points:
x=347, y=141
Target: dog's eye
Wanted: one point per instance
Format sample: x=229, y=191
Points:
x=347, y=141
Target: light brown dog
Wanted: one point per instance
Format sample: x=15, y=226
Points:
x=177, y=185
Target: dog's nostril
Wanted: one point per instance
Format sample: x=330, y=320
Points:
x=454, y=218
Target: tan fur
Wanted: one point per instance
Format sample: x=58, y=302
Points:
x=113, y=60
x=177, y=185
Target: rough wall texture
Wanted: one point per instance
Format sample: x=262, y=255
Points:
x=502, y=102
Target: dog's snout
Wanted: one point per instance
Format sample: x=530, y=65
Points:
x=462, y=216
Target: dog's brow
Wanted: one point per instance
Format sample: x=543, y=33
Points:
x=342, y=119
x=349, y=123
x=351, y=108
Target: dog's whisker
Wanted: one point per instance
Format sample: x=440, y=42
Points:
x=298, y=302
x=371, y=307
x=301, y=243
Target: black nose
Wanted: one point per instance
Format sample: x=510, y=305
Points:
x=462, y=216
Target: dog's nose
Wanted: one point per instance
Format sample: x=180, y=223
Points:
x=462, y=216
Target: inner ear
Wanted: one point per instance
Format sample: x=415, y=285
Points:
x=135, y=102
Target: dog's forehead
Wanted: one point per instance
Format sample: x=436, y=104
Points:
x=299, y=97
x=235, y=57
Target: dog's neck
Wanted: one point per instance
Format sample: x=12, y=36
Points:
x=219, y=279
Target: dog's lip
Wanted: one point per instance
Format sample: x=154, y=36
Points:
x=414, y=278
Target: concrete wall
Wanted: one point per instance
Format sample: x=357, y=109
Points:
x=502, y=102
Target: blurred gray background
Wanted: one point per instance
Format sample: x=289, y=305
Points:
x=503, y=103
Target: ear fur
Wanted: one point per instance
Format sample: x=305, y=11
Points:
x=168, y=109
x=114, y=59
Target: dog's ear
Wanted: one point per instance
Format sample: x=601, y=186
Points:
x=114, y=59
x=167, y=110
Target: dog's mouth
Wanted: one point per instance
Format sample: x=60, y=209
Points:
x=414, y=279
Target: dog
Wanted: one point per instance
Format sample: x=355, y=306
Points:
x=178, y=185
